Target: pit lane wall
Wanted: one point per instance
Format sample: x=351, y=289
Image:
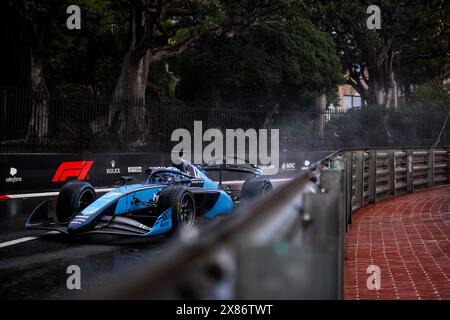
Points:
x=41, y=172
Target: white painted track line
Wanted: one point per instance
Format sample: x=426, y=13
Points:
x=25, y=239
x=55, y=193
x=16, y=241
x=45, y=194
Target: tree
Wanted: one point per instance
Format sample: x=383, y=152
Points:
x=87, y=61
x=433, y=96
x=37, y=19
x=415, y=73
x=159, y=30
x=164, y=29
x=266, y=67
x=410, y=30
x=283, y=64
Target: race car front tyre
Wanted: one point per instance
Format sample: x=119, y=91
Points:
x=73, y=197
x=182, y=203
x=255, y=187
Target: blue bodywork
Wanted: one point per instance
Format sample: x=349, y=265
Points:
x=120, y=205
x=154, y=207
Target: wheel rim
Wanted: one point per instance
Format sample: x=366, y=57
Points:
x=86, y=198
x=187, y=211
x=266, y=188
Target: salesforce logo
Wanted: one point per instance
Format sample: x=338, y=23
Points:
x=13, y=178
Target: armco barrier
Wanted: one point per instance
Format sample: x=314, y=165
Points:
x=290, y=243
x=35, y=172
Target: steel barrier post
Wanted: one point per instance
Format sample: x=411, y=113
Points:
x=372, y=176
x=334, y=182
x=348, y=186
x=409, y=171
x=431, y=168
x=359, y=177
x=392, y=187
x=313, y=266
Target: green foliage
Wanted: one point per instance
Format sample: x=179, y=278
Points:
x=88, y=60
x=432, y=96
x=422, y=70
x=264, y=66
x=161, y=84
x=412, y=44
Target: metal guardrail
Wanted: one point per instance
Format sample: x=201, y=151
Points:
x=291, y=243
x=376, y=174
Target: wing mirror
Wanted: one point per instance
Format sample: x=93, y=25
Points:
x=123, y=180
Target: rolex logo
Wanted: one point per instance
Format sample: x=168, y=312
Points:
x=113, y=169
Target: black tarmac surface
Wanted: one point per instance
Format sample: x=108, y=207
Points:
x=36, y=269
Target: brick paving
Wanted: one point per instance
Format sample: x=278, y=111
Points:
x=408, y=238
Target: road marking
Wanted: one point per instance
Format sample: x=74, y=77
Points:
x=55, y=193
x=42, y=194
x=25, y=239
x=13, y=242
x=242, y=181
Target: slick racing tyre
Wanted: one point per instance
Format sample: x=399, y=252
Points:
x=182, y=203
x=73, y=197
x=255, y=187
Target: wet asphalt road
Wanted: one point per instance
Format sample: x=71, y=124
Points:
x=36, y=269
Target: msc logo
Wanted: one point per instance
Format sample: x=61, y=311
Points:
x=288, y=166
x=78, y=169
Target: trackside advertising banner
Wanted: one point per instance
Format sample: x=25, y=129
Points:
x=21, y=173
x=24, y=173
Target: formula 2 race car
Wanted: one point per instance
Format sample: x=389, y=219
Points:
x=170, y=199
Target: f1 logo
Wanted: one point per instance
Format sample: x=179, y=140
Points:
x=78, y=169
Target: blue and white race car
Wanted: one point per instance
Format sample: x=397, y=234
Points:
x=170, y=199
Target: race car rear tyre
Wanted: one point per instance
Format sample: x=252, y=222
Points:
x=255, y=187
x=182, y=203
x=73, y=197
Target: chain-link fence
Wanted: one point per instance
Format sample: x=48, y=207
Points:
x=68, y=123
